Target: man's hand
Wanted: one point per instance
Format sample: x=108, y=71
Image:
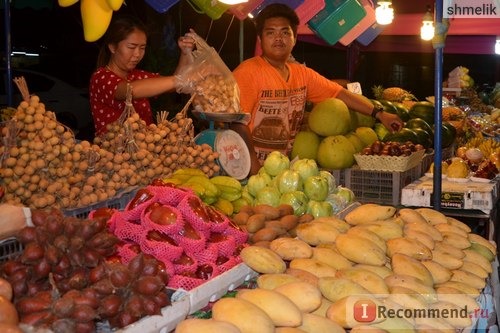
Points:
x=11, y=220
x=391, y=121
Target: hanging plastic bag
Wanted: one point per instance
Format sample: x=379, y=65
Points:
x=209, y=80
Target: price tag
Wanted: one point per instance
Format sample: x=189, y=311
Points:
x=355, y=87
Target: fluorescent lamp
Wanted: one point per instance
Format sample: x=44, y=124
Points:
x=384, y=13
x=427, y=29
x=232, y=2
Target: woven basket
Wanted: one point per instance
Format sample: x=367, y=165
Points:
x=389, y=163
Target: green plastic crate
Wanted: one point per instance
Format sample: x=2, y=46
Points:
x=212, y=8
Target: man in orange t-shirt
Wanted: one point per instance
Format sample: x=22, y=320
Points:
x=274, y=88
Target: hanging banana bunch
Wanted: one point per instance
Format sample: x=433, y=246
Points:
x=96, y=15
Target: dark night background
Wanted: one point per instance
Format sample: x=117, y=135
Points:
x=56, y=33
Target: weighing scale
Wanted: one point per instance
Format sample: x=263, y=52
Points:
x=234, y=156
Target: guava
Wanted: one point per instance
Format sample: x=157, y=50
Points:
x=335, y=152
x=288, y=181
x=257, y=182
x=297, y=199
x=330, y=117
x=305, y=167
x=305, y=145
x=316, y=188
x=276, y=162
x=319, y=208
x=268, y=196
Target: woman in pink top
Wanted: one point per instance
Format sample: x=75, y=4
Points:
x=123, y=48
x=274, y=89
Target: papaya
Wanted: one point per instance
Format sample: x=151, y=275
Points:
x=423, y=110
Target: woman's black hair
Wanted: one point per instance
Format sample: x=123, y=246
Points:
x=120, y=27
x=277, y=10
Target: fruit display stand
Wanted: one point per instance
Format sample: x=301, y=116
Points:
x=468, y=199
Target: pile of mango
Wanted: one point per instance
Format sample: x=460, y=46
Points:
x=411, y=261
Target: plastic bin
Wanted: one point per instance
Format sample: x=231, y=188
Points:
x=214, y=9
x=380, y=187
x=308, y=9
x=370, y=34
x=9, y=249
x=337, y=19
x=119, y=202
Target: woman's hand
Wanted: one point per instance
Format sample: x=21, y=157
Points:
x=186, y=43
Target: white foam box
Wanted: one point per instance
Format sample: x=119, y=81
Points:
x=470, y=195
x=170, y=316
x=217, y=287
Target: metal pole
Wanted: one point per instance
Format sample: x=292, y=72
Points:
x=241, y=41
x=8, y=52
x=438, y=44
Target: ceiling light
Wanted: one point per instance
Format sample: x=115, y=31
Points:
x=497, y=45
x=232, y=2
x=384, y=12
x=427, y=29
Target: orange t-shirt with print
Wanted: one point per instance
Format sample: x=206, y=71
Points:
x=277, y=106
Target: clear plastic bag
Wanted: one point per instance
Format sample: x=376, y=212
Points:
x=211, y=82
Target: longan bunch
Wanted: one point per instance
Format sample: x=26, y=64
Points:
x=215, y=93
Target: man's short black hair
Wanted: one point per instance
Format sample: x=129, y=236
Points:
x=277, y=10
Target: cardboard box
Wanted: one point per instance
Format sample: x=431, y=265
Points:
x=469, y=195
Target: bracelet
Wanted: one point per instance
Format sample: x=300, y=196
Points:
x=27, y=216
x=376, y=110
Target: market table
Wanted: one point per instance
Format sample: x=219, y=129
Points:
x=466, y=199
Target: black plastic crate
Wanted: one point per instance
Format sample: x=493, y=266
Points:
x=380, y=187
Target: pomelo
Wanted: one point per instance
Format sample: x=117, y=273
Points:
x=335, y=152
x=330, y=117
x=367, y=135
x=305, y=145
x=359, y=119
x=357, y=143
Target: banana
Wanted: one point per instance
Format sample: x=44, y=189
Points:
x=420, y=236
x=408, y=246
x=475, y=238
x=96, y=16
x=453, y=239
x=369, y=235
x=439, y=273
x=458, y=223
x=468, y=278
x=115, y=4
x=483, y=250
x=412, y=283
x=477, y=258
x=432, y=216
x=446, y=260
x=66, y=3
x=403, y=264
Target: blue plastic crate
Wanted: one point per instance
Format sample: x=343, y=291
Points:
x=337, y=19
